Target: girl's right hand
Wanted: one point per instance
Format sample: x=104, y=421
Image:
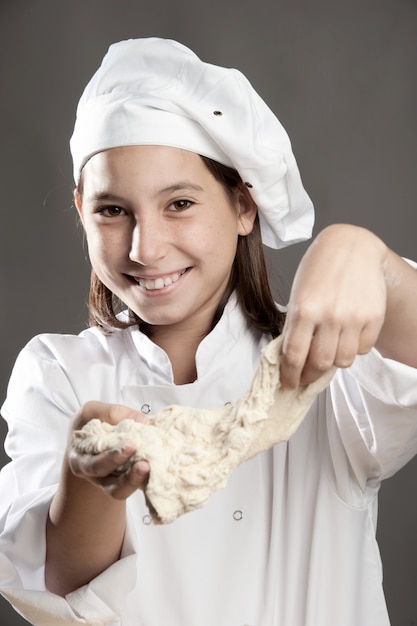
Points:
x=101, y=469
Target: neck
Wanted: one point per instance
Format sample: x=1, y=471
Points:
x=181, y=349
x=180, y=342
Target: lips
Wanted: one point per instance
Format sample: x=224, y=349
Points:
x=153, y=284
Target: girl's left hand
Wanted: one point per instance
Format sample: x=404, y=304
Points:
x=337, y=304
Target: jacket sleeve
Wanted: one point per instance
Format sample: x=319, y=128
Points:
x=371, y=414
x=38, y=409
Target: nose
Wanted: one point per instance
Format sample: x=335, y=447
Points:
x=148, y=241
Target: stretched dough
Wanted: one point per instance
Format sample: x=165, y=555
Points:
x=192, y=452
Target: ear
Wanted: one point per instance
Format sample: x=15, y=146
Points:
x=78, y=204
x=247, y=211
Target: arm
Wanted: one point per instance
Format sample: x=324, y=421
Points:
x=87, y=517
x=398, y=337
x=350, y=293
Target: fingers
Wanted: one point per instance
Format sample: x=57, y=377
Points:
x=111, y=413
x=99, y=465
x=307, y=357
x=122, y=486
x=337, y=304
x=295, y=350
x=307, y=354
x=328, y=348
x=112, y=470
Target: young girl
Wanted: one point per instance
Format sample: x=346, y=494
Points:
x=181, y=173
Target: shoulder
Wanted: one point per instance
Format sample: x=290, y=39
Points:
x=69, y=351
x=89, y=340
x=67, y=370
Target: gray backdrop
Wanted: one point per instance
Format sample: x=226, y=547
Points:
x=340, y=75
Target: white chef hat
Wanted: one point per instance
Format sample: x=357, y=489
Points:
x=158, y=92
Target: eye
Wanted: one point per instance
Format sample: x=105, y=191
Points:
x=180, y=205
x=111, y=211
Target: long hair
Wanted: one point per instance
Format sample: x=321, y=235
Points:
x=248, y=278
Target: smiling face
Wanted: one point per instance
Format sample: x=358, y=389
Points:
x=162, y=232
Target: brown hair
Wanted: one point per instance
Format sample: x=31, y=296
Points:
x=248, y=278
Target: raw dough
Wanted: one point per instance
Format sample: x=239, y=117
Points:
x=192, y=452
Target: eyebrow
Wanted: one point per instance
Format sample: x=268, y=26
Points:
x=105, y=196
x=180, y=186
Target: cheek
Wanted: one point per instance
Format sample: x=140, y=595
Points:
x=223, y=225
x=103, y=251
x=219, y=243
x=226, y=231
x=95, y=244
x=212, y=235
x=103, y=241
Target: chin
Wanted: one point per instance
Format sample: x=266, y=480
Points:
x=154, y=318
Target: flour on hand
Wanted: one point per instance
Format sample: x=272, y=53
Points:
x=192, y=452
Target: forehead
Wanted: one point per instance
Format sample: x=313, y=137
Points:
x=125, y=159
x=152, y=168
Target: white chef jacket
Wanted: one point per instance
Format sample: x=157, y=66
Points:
x=290, y=540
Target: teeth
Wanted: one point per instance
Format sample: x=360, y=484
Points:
x=159, y=283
